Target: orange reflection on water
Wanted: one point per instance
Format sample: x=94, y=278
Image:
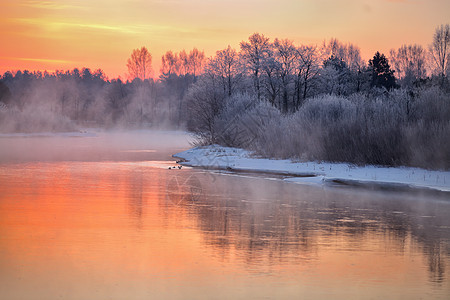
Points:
x=96, y=230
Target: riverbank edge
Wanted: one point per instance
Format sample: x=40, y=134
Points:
x=236, y=160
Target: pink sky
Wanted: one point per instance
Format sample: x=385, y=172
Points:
x=49, y=35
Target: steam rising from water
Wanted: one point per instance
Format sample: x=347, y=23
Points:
x=93, y=145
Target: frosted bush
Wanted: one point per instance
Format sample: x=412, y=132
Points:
x=398, y=128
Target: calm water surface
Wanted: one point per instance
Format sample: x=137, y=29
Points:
x=104, y=218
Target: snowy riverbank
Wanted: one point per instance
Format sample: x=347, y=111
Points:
x=239, y=160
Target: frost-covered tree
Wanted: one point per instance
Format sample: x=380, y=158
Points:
x=335, y=77
x=204, y=102
x=226, y=66
x=254, y=53
x=308, y=66
x=286, y=56
x=440, y=49
x=270, y=78
x=409, y=63
x=354, y=61
x=348, y=53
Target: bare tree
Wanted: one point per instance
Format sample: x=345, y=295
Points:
x=204, y=104
x=308, y=65
x=170, y=64
x=409, y=62
x=270, y=78
x=139, y=64
x=335, y=48
x=196, y=61
x=353, y=59
x=286, y=55
x=184, y=62
x=348, y=53
x=226, y=65
x=440, y=49
x=254, y=52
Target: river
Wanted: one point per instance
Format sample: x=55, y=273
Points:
x=103, y=217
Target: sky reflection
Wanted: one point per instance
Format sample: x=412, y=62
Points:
x=121, y=230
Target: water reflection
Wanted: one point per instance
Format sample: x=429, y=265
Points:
x=135, y=198
x=135, y=230
x=278, y=224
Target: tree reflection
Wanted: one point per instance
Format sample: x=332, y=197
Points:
x=135, y=195
x=265, y=225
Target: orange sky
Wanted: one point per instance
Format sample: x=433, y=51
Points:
x=49, y=35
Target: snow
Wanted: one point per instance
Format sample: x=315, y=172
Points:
x=315, y=173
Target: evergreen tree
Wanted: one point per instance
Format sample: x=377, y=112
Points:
x=382, y=75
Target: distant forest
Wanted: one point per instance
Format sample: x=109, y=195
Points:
x=313, y=102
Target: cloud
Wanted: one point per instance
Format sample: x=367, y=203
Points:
x=43, y=60
x=53, y=5
x=59, y=25
x=50, y=25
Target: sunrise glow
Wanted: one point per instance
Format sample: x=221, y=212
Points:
x=51, y=35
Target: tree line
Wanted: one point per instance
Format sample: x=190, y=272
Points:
x=325, y=103
x=68, y=100
x=276, y=80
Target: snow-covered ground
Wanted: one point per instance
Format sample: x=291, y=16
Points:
x=239, y=160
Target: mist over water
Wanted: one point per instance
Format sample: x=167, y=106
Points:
x=104, y=217
x=92, y=145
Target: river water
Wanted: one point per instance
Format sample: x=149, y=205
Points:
x=102, y=217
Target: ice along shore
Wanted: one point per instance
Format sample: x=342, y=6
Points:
x=316, y=173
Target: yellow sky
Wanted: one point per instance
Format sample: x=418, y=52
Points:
x=49, y=35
